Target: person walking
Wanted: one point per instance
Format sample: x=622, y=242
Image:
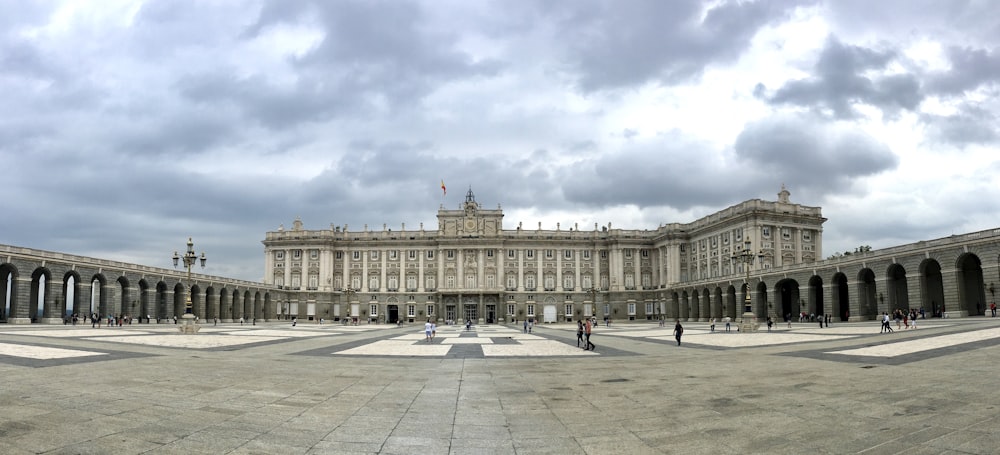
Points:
x=587, y=329
x=579, y=332
x=711, y=325
x=427, y=330
x=678, y=331
x=728, y=322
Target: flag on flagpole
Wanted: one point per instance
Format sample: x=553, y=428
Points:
x=444, y=190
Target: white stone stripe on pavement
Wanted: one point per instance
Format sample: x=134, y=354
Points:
x=42, y=353
x=923, y=344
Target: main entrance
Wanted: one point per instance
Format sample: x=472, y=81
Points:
x=393, y=316
x=491, y=314
x=471, y=312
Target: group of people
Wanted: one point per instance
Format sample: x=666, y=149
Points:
x=96, y=320
x=907, y=319
x=583, y=331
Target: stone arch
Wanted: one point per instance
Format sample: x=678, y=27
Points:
x=867, y=292
x=673, y=309
x=225, y=313
x=179, y=300
x=235, y=309
x=258, y=306
x=705, y=311
x=718, y=304
x=161, y=305
x=694, y=305
x=763, y=305
x=896, y=289
x=971, y=290
x=840, y=298
x=126, y=304
x=931, y=287
x=815, y=296
x=683, y=306
x=8, y=282
x=246, y=310
x=730, y=306
x=98, y=304
x=211, y=303
x=71, y=293
x=788, y=303
x=145, y=307
x=39, y=295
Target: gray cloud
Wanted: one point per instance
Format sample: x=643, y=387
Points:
x=970, y=69
x=621, y=44
x=973, y=124
x=839, y=83
x=811, y=154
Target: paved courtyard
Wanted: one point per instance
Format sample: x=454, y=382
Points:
x=274, y=388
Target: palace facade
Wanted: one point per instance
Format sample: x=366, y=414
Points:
x=472, y=267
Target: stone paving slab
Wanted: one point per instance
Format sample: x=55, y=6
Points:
x=639, y=393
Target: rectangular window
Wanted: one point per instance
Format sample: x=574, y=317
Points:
x=314, y=254
x=430, y=254
x=586, y=254
x=765, y=231
x=631, y=308
x=649, y=307
x=373, y=310
x=628, y=254
x=510, y=254
x=279, y=255
x=412, y=254
x=567, y=254
x=568, y=310
x=548, y=254
x=430, y=310
x=489, y=253
x=340, y=255
x=393, y=253
x=529, y=253
x=411, y=310
x=604, y=254
x=373, y=255
x=806, y=235
x=510, y=308
x=531, y=309
x=296, y=254
x=450, y=254
x=645, y=253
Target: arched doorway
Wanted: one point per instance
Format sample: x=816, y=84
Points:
x=971, y=292
x=895, y=288
x=787, y=293
x=763, y=305
x=815, y=297
x=867, y=305
x=841, y=298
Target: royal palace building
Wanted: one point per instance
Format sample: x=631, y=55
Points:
x=472, y=267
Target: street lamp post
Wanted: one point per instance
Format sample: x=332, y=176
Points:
x=747, y=257
x=190, y=258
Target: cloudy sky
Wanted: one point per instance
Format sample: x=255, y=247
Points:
x=128, y=126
